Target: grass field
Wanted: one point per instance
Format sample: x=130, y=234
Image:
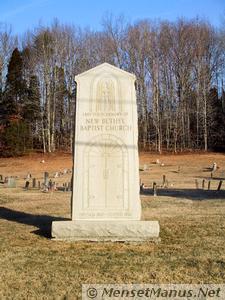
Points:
x=192, y=223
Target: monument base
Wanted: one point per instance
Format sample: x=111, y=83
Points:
x=124, y=231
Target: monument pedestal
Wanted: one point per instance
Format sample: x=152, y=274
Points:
x=126, y=231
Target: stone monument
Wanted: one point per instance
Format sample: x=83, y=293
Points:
x=105, y=199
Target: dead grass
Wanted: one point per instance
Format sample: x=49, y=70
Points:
x=192, y=247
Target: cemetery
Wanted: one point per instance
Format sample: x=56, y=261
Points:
x=135, y=216
x=191, y=246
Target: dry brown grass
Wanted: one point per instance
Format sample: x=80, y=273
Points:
x=192, y=247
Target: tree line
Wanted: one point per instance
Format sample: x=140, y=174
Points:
x=179, y=66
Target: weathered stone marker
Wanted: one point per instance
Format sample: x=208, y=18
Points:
x=46, y=178
x=34, y=183
x=11, y=182
x=105, y=199
x=27, y=183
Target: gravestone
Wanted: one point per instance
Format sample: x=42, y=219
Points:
x=56, y=175
x=105, y=198
x=27, y=183
x=46, y=178
x=34, y=183
x=11, y=183
x=50, y=184
x=29, y=176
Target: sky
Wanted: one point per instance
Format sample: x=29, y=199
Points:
x=26, y=14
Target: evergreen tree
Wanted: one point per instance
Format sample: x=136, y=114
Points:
x=31, y=107
x=217, y=121
x=61, y=93
x=15, y=89
x=15, y=133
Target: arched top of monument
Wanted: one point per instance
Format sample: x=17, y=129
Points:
x=105, y=68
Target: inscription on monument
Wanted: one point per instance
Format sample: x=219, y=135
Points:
x=105, y=144
x=105, y=123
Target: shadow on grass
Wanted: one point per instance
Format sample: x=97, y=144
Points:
x=210, y=178
x=190, y=194
x=42, y=222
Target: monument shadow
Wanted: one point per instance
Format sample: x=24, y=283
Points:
x=190, y=194
x=42, y=222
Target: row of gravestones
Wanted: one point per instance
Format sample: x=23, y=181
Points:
x=56, y=174
x=59, y=174
x=9, y=181
x=47, y=185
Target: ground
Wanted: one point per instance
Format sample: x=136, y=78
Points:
x=192, y=224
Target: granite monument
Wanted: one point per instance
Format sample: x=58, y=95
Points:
x=105, y=200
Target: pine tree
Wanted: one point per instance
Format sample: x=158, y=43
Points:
x=15, y=135
x=217, y=121
x=31, y=107
x=15, y=89
x=60, y=93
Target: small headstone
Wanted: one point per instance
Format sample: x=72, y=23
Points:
x=34, y=183
x=11, y=182
x=142, y=187
x=39, y=185
x=1, y=177
x=145, y=167
x=54, y=186
x=46, y=178
x=29, y=176
x=196, y=184
x=50, y=185
x=203, y=184
x=27, y=183
x=164, y=181
x=214, y=167
x=56, y=175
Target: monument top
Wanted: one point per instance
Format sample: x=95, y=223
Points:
x=104, y=67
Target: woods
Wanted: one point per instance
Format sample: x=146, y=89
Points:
x=179, y=66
